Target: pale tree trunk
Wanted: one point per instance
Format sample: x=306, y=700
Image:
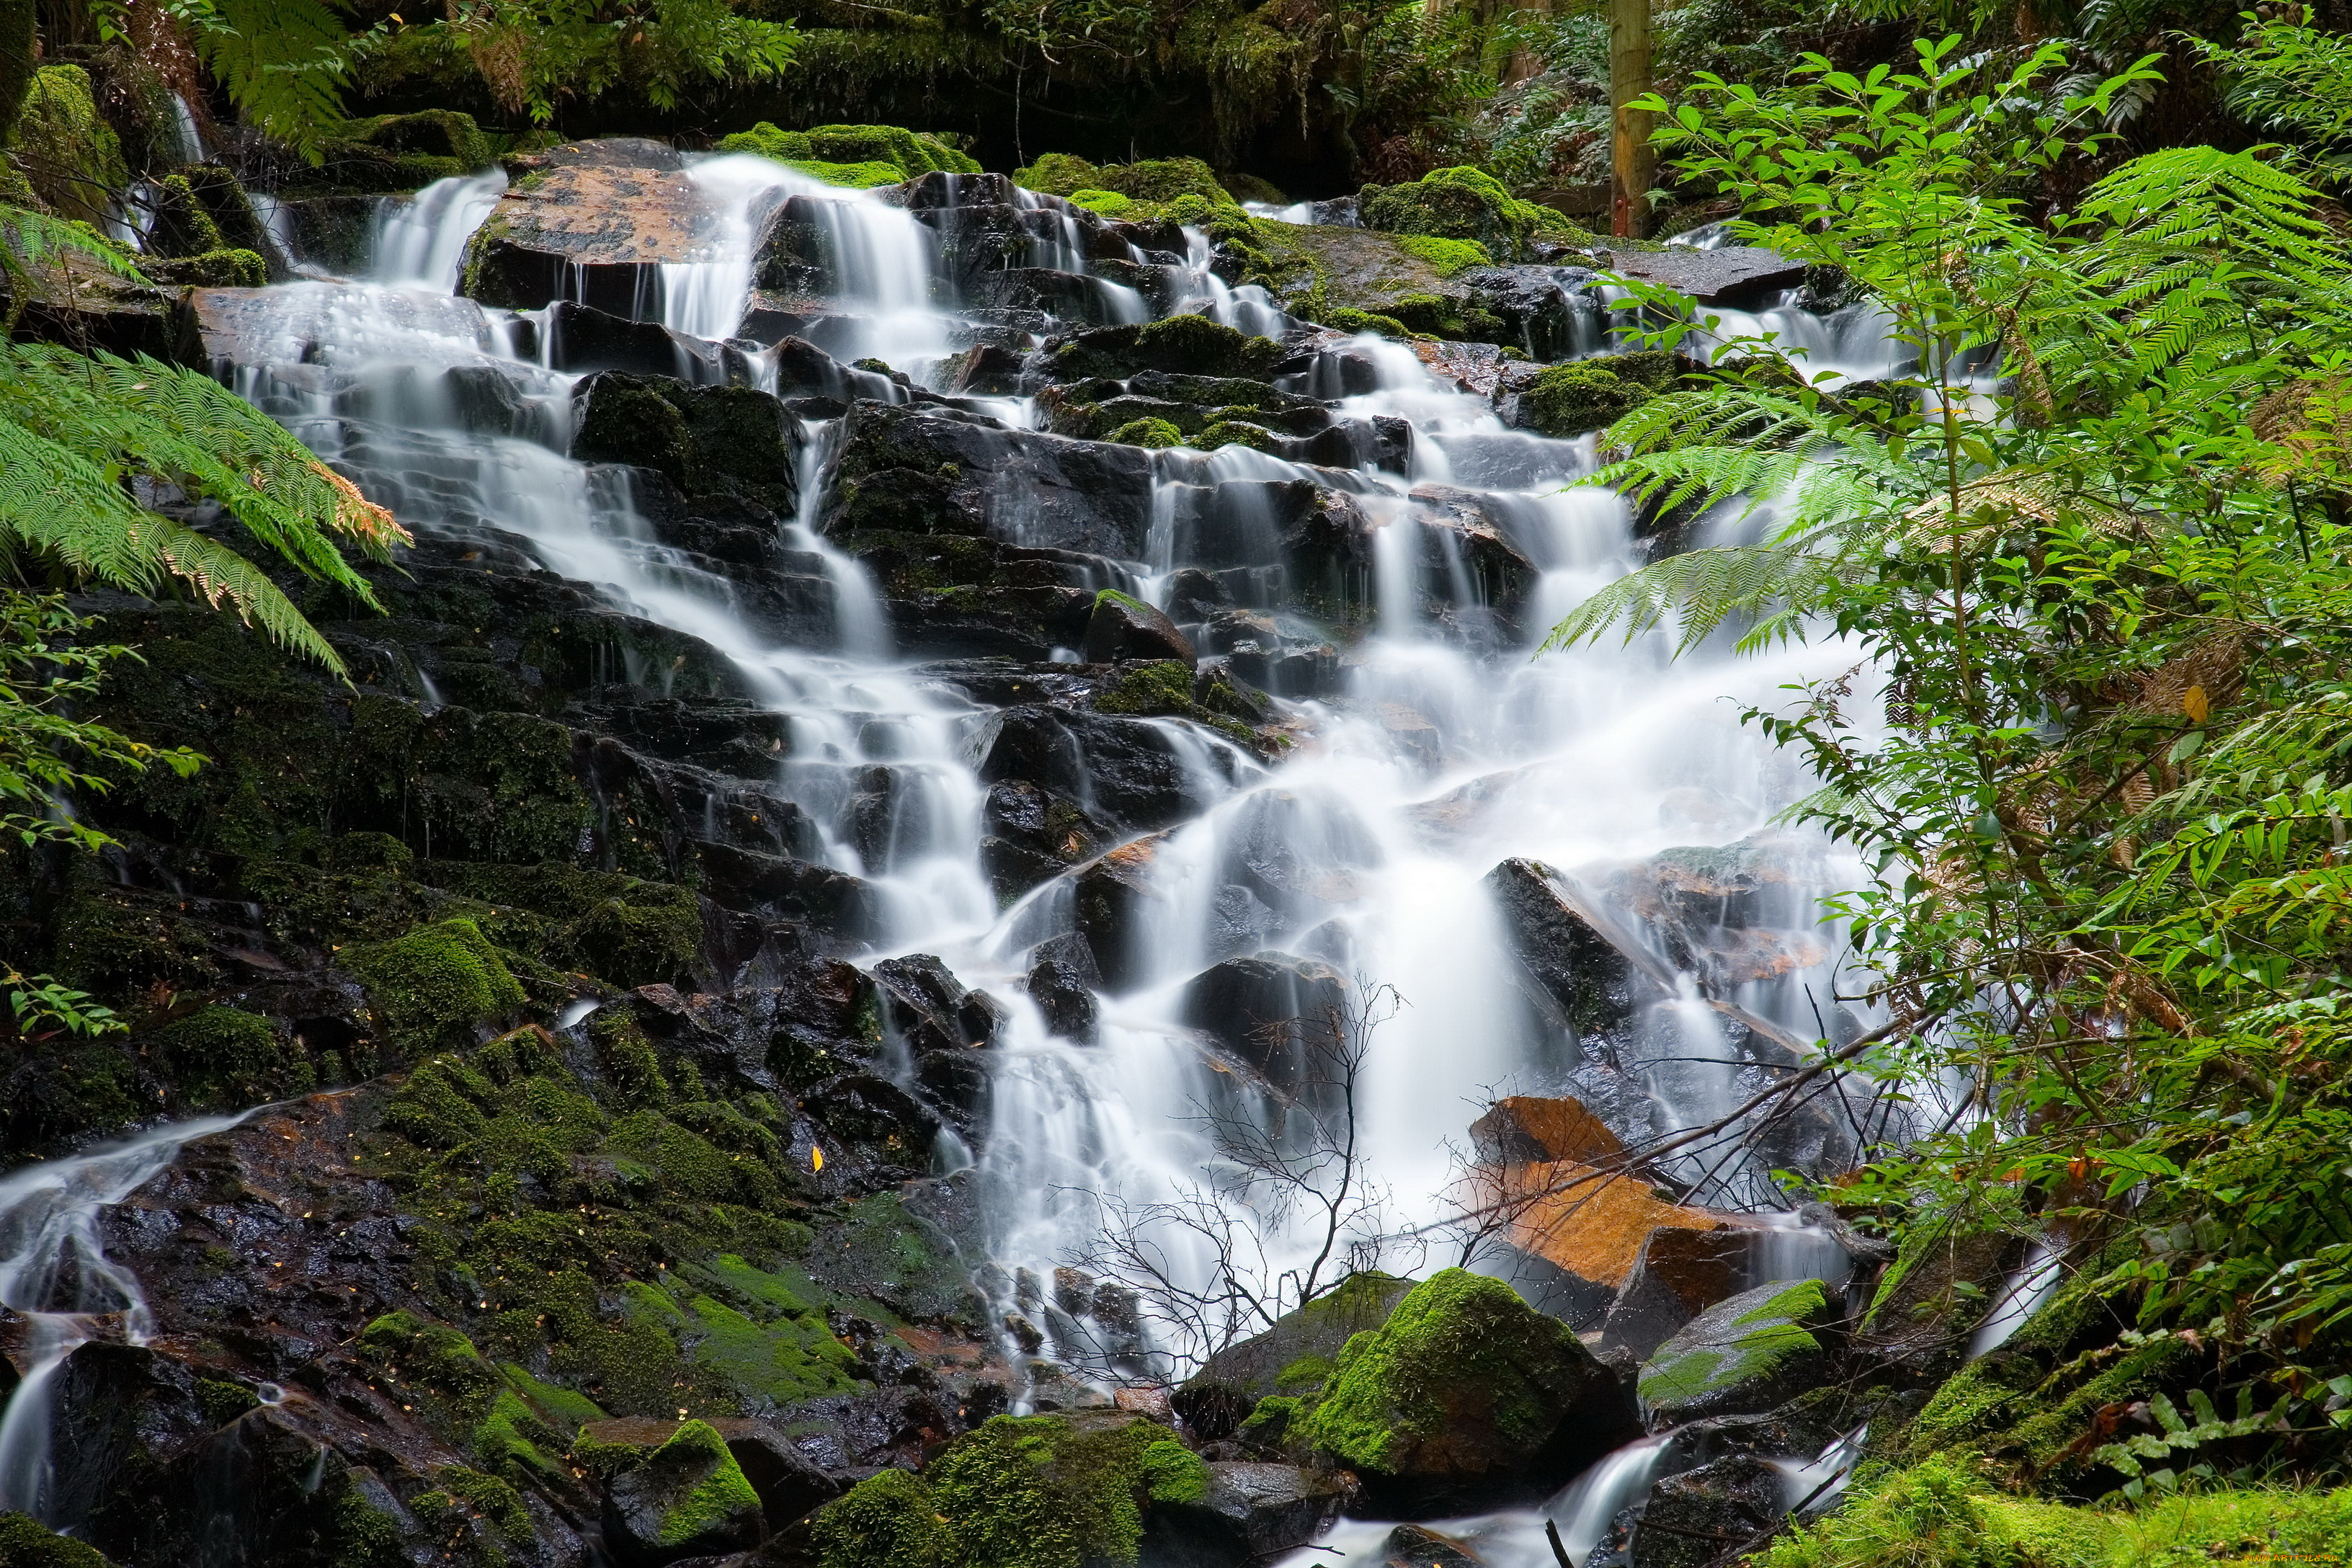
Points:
x=1524, y=62
x=1632, y=164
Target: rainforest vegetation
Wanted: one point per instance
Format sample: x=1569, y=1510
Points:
x=2081, y=565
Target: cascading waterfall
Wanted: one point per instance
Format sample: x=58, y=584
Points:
x=55, y=1271
x=1451, y=749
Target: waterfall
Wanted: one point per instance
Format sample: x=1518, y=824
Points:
x=55, y=1271
x=1445, y=750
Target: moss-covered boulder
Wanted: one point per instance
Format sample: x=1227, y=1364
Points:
x=1181, y=346
x=1739, y=1357
x=1123, y=627
x=855, y=154
x=1466, y=204
x=66, y=150
x=26, y=1542
x=686, y=1499
x=398, y=153
x=1465, y=1393
x=1590, y=394
x=438, y=985
x=1293, y=1357
x=1045, y=1492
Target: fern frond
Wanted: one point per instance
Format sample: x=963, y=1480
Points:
x=1702, y=589
x=285, y=64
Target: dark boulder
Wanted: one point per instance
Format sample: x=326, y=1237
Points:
x=1294, y=1356
x=1704, y=1515
x=1062, y=980
x=1573, y=971
x=1285, y=1017
x=1115, y=901
x=1417, y=1546
x=1680, y=1274
x=689, y=1498
x=1250, y=1513
x=1124, y=628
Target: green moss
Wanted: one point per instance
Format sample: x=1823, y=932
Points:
x=1457, y=1343
x=1152, y=433
x=183, y=227
x=999, y=1510
x=26, y=1542
x=225, y=1057
x=723, y=1491
x=1163, y=687
x=1938, y=1516
x=489, y=1496
x=436, y=985
x=1308, y=1373
x=853, y=154
x=1269, y=1422
x=886, y=1520
x=223, y=1403
x=1347, y=319
x=1464, y=204
x=1570, y=399
x=1771, y=1333
x=1172, y=1473
x=1109, y=204
x=223, y=269
x=1447, y=256
x=1237, y=432
x=70, y=154
x=1058, y=175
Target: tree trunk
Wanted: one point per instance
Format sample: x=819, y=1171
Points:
x=1631, y=165
x=16, y=34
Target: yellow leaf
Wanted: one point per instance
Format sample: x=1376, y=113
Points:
x=817, y=1159
x=2192, y=703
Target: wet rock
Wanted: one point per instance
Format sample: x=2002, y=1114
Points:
x=1031, y=834
x=1523, y=1128
x=1285, y=1017
x=1732, y=914
x=1568, y=966
x=1465, y=1396
x=1415, y=1546
x=928, y=1008
x=1586, y=1225
x=1181, y=346
x=1694, y=1519
x=1680, y=1273
x=1250, y=1513
x=1129, y=769
x=705, y=439
x=1123, y=627
x=789, y=1483
x=586, y=221
x=1062, y=980
x=1372, y=274
x=689, y=1498
x=1295, y=1356
x=1744, y=1355
x=1540, y=308
x=1736, y=274
x=908, y=470
x=1114, y=902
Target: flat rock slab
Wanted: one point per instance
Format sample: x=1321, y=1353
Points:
x=1734, y=275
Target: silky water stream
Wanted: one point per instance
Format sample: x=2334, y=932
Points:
x=1446, y=750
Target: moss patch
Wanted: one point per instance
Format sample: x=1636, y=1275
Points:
x=1466, y=204
x=70, y=154
x=884, y=1522
x=26, y=1542
x=434, y=985
x=1463, y=1378
x=854, y=154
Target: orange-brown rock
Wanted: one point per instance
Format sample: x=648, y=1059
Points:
x=1524, y=1128
x=1590, y=1222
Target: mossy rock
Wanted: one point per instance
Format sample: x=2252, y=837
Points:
x=687, y=1498
x=211, y=269
x=1463, y=1390
x=886, y=1520
x=226, y=1057
x=1237, y=432
x=1104, y=204
x=1590, y=395
x=26, y=1542
x=437, y=985
x=1740, y=1356
x=854, y=154
x=1447, y=256
x=389, y=152
x=1155, y=434
x=1940, y=1515
x=69, y=154
x=1059, y=174
x=1466, y=204
x=1181, y=346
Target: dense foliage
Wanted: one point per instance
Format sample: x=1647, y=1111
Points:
x=2086, y=551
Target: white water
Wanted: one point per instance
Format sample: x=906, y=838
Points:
x=55, y=1272
x=1365, y=848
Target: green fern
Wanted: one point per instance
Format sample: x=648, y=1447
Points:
x=284, y=62
x=77, y=434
